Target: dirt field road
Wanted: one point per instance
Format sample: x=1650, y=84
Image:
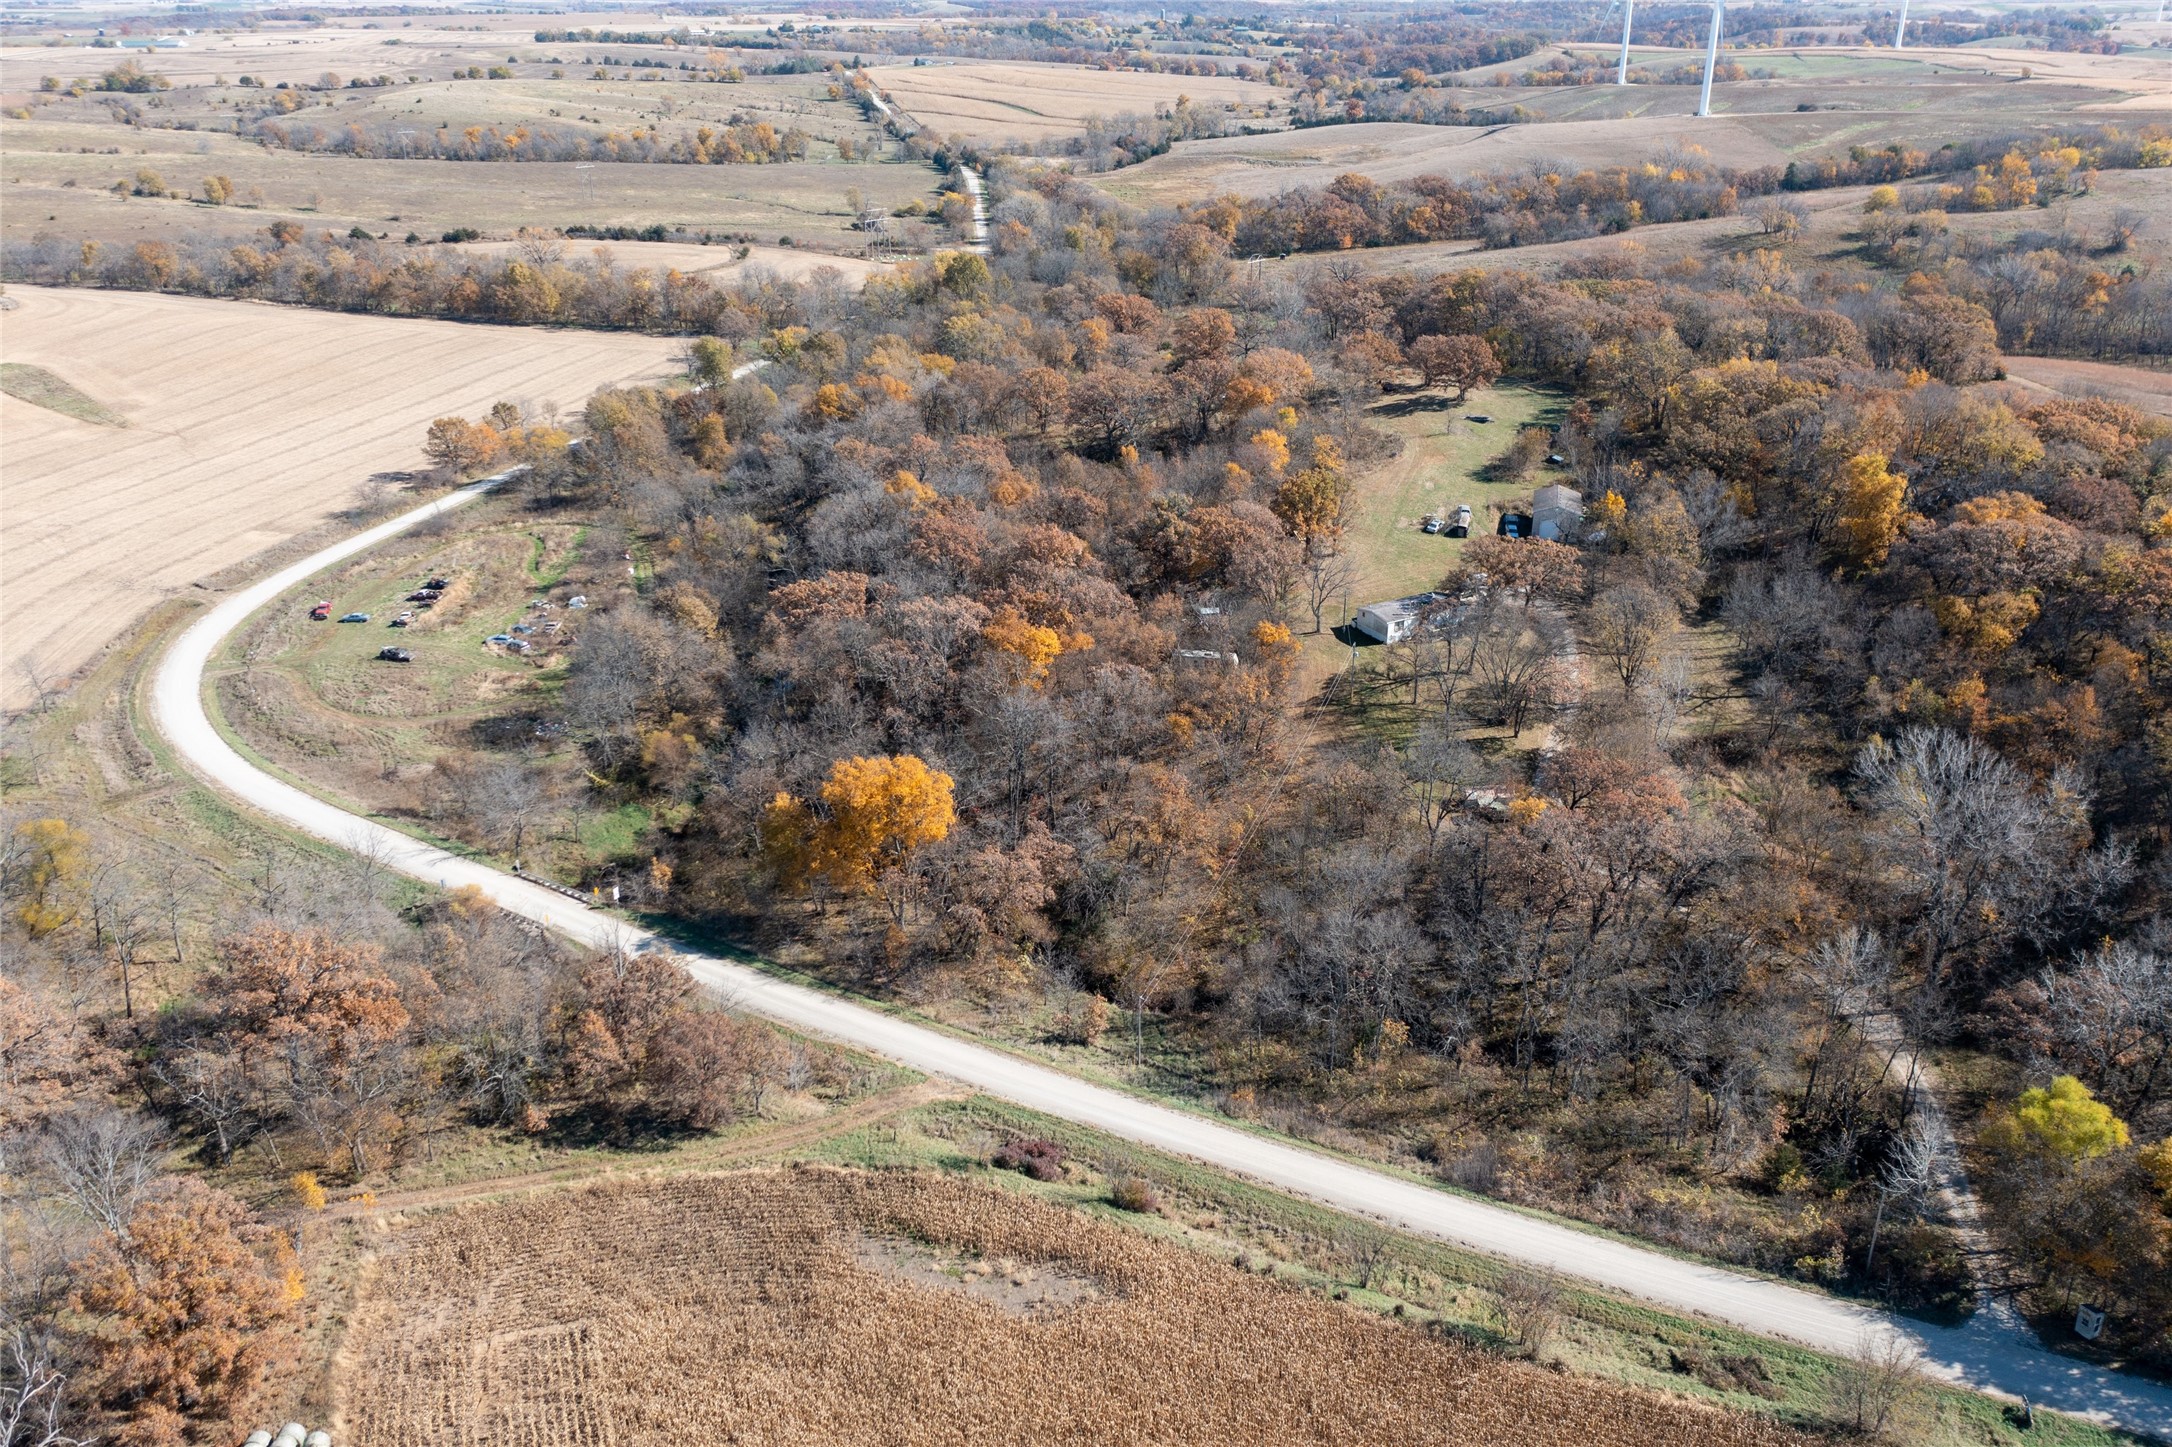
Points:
x=1985, y=1359
x=247, y=424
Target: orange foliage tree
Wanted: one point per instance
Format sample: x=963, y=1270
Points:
x=190, y=1310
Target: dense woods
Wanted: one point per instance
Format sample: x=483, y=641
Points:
x=968, y=661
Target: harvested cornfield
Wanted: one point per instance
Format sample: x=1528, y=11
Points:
x=816, y=1305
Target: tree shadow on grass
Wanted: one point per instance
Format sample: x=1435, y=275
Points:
x=1415, y=403
x=608, y=1125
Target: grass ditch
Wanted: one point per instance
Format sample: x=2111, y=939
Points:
x=55, y=393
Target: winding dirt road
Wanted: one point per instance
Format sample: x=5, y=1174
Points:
x=1985, y=1358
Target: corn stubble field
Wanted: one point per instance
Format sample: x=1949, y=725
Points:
x=784, y=1306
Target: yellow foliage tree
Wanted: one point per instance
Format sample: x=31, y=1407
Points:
x=53, y=856
x=1033, y=646
x=878, y=812
x=1871, y=508
x=2064, y=1120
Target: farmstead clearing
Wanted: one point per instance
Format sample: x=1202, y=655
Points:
x=247, y=425
x=823, y=1305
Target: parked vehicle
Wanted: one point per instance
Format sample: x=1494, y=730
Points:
x=1459, y=522
x=1430, y=525
x=425, y=596
x=501, y=639
x=321, y=612
x=403, y=620
x=394, y=655
x=516, y=645
x=354, y=618
x=522, y=628
x=1478, y=417
x=438, y=584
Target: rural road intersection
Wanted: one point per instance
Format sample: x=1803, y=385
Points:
x=1980, y=1357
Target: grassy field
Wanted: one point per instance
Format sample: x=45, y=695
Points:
x=218, y=463
x=58, y=176
x=994, y=102
x=312, y=700
x=1823, y=103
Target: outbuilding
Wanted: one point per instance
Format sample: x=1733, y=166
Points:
x=1556, y=512
x=1394, y=620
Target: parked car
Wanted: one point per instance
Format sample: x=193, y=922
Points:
x=403, y=620
x=321, y=612
x=501, y=639
x=522, y=628
x=578, y=600
x=516, y=645
x=1555, y=459
x=1430, y=525
x=354, y=618
x=395, y=655
x=1478, y=417
x=425, y=596
x=439, y=584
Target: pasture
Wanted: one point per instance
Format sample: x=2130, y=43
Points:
x=993, y=101
x=1396, y=151
x=59, y=174
x=246, y=425
x=833, y=1306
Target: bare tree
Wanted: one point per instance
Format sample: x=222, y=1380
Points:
x=33, y=1391
x=1326, y=574
x=507, y=803
x=1629, y=625
x=103, y=1161
x=1876, y=1383
x=1983, y=854
x=211, y=1091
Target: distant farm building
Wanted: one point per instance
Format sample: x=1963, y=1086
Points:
x=1556, y=512
x=1395, y=620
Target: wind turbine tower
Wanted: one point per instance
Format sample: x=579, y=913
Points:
x=1711, y=57
x=1621, y=71
x=1900, y=28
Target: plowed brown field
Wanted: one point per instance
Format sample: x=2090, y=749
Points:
x=839, y=1307
x=247, y=424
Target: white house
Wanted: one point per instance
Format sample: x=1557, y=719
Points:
x=1393, y=621
x=1556, y=511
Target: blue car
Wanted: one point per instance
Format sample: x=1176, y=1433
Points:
x=355, y=618
x=499, y=638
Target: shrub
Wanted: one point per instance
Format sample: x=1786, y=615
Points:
x=1084, y=1021
x=1040, y=1159
x=1134, y=1193
x=307, y=1190
x=1531, y=1307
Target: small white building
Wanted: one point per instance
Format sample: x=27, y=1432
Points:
x=1556, y=512
x=1393, y=621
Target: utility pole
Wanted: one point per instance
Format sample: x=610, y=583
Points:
x=586, y=171
x=1621, y=71
x=1711, y=57
x=1900, y=27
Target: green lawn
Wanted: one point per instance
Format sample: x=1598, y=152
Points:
x=1443, y=453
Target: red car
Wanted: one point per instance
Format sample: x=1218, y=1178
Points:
x=322, y=611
